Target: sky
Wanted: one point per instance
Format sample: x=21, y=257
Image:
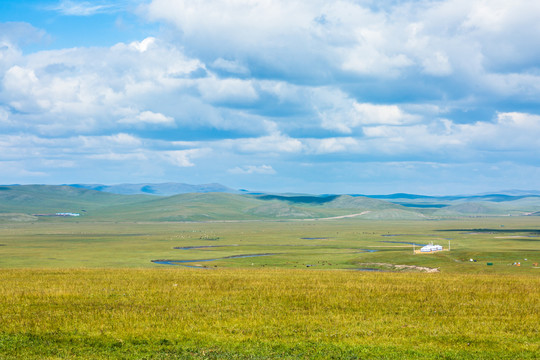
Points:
x=307, y=96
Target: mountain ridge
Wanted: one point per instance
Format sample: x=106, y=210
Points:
x=159, y=189
x=48, y=200
x=174, y=188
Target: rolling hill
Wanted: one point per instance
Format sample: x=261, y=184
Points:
x=163, y=189
x=45, y=199
x=25, y=202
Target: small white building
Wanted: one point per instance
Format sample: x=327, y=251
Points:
x=430, y=248
x=67, y=214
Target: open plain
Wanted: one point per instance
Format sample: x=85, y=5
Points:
x=77, y=290
x=99, y=286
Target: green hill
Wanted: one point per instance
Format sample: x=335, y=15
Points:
x=47, y=199
x=395, y=214
x=215, y=206
x=28, y=200
x=187, y=207
x=24, y=202
x=484, y=208
x=361, y=203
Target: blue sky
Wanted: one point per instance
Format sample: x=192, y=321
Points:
x=357, y=96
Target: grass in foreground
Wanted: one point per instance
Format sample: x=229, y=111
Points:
x=266, y=313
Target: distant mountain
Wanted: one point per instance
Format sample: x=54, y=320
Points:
x=50, y=199
x=31, y=202
x=423, y=201
x=163, y=189
x=517, y=192
x=28, y=202
x=404, y=199
x=400, y=196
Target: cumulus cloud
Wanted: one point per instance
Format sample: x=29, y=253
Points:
x=230, y=66
x=182, y=158
x=67, y=90
x=510, y=131
x=142, y=46
x=437, y=64
x=149, y=117
x=123, y=139
x=518, y=132
x=269, y=82
x=339, y=112
x=467, y=39
x=227, y=90
x=332, y=145
x=273, y=143
x=110, y=153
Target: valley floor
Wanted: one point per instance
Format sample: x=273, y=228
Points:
x=74, y=289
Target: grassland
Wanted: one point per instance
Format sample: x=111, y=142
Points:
x=257, y=314
x=86, y=288
x=24, y=202
x=330, y=244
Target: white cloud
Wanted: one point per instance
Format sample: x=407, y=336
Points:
x=21, y=81
x=4, y=116
x=9, y=54
x=83, y=8
x=217, y=90
x=466, y=39
x=253, y=169
x=340, y=113
x=517, y=132
x=332, y=145
x=272, y=144
x=415, y=140
x=119, y=156
x=144, y=45
x=437, y=64
x=56, y=92
x=182, y=158
x=369, y=57
x=155, y=118
x=53, y=163
x=149, y=117
x=230, y=66
x=265, y=20
x=24, y=145
x=527, y=85
x=266, y=80
x=521, y=120
x=379, y=114
x=511, y=131
x=95, y=144
x=123, y=140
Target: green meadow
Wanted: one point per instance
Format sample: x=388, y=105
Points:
x=78, y=289
x=266, y=314
x=339, y=244
x=224, y=276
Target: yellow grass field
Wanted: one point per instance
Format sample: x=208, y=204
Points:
x=183, y=313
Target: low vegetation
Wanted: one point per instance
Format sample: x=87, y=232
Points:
x=348, y=243
x=28, y=200
x=341, y=288
x=266, y=313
